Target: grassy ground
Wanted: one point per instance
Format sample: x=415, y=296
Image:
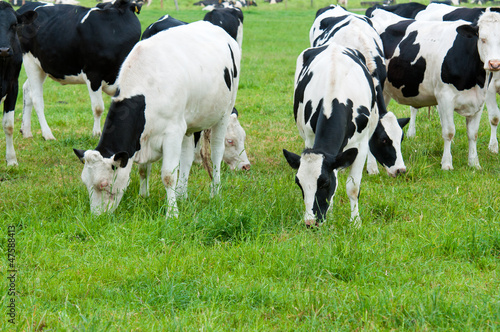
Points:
x=426, y=258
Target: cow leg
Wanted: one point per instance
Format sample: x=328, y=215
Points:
x=354, y=181
x=97, y=107
x=448, y=132
x=187, y=157
x=411, y=132
x=172, y=148
x=494, y=116
x=144, y=172
x=33, y=96
x=8, y=128
x=472, y=130
x=217, y=151
x=371, y=164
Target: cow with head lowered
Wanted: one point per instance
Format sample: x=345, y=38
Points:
x=336, y=113
x=162, y=100
x=335, y=24
x=10, y=66
x=444, y=64
x=76, y=45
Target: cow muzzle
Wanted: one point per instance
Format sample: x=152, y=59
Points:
x=494, y=65
x=398, y=171
x=5, y=52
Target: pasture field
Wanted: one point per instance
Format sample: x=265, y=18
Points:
x=427, y=256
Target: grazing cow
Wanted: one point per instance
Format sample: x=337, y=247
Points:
x=165, y=22
x=76, y=45
x=335, y=24
x=441, y=12
x=161, y=101
x=441, y=63
x=10, y=66
x=336, y=113
x=408, y=10
x=234, y=145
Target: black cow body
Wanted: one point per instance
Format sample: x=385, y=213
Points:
x=76, y=45
x=10, y=66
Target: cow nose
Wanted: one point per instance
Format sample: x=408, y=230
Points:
x=245, y=167
x=494, y=65
x=311, y=223
x=400, y=171
x=4, y=52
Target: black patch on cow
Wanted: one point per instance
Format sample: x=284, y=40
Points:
x=392, y=36
x=123, y=127
x=328, y=25
x=408, y=10
x=381, y=146
x=227, y=18
x=404, y=71
x=466, y=14
x=227, y=78
x=362, y=118
x=462, y=65
x=163, y=23
x=307, y=110
x=235, y=68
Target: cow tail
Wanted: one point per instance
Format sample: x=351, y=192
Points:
x=205, y=152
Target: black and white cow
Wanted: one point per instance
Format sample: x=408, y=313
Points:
x=336, y=113
x=76, y=45
x=408, y=10
x=442, y=12
x=441, y=63
x=164, y=23
x=161, y=101
x=335, y=24
x=10, y=66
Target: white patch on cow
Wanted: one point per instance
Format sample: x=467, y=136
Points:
x=87, y=15
x=8, y=127
x=105, y=181
x=307, y=175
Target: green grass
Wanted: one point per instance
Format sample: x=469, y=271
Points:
x=426, y=257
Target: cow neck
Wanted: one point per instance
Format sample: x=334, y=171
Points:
x=124, y=126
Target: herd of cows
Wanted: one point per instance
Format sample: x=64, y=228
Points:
x=415, y=54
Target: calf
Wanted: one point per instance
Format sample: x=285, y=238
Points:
x=336, y=113
x=10, y=66
x=76, y=45
x=441, y=12
x=335, y=24
x=441, y=63
x=161, y=101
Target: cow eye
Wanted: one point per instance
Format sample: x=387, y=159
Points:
x=483, y=40
x=230, y=141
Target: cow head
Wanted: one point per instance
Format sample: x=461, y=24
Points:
x=9, y=20
x=134, y=6
x=234, y=153
x=106, y=178
x=317, y=178
x=385, y=143
x=488, y=44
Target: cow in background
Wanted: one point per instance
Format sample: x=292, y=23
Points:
x=10, y=67
x=76, y=45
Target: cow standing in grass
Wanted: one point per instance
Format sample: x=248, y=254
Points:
x=178, y=82
x=10, y=66
x=76, y=45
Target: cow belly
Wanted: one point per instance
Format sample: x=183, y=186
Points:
x=423, y=99
x=71, y=79
x=469, y=103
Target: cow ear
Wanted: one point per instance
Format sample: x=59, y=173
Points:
x=292, y=159
x=234, y=111
x=121, y=158
x=403, y=122
x=468, y=30
x=345, y=159
x=80, y=154
x=27, y=18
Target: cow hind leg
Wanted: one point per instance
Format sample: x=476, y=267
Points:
x=34, y=87
x=144, y=172
x=412, y=131
x=97, y=105
x=8, y=127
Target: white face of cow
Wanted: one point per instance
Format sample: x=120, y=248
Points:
x=489, y=42
x=234, y=153
x=106, y=180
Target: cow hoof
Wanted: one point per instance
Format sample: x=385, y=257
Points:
x=96, y=133
x=372, y=171
x=493, y=147
x=447, y=167
x=49, y=137
x=26, y=134
x=12, y=163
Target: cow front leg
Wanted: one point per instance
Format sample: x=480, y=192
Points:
x=493, y=115
x=217, y=152
x=472, y=130
x=8, y=128
x=187, y=157
x=97, y=105
x=353, y=183
x=34, y=84
x=144, y=172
